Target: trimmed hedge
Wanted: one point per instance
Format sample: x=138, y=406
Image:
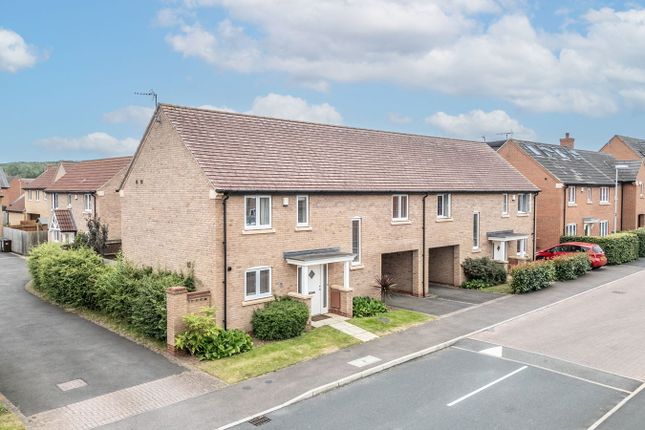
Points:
x=532, y=276
x=569, y=267
x=363, y=306
x=640, y=233
x=476, y=284
x=484, y=269
x=619, y=248
x=283, y=318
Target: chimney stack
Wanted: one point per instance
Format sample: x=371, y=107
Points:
x=567, y=141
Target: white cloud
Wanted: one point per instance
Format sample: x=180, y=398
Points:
x=433, y=44
x=98, y=141
x=397, y=118
x=220, y=108
x=139, y=115
x=289, y=107
x=15, y=53
x=477, y=123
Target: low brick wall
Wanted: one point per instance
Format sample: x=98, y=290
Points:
x=341, y=302
x=180, y=302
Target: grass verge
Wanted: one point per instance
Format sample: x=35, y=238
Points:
x=392, y=321
x=278, y=355
x=502, y=289
x=8, y=421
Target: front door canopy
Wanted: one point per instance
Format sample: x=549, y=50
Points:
x=317, y=256
x=505, y=236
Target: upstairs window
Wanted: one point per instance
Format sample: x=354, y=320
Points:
x=303, y=211
x=257, y=283
x=642, y=190
x=443, y=205
x=504, y=204
x=55, y=201
x=87, y=200
x=399, y=207
x=571, y=195
x=37, y=195
x=476, y=230
x=30, y=195
x=523, y=203
x=257, y=211
x=69, y=200
x=356, y=240
x=589, y=195
x=604, y=194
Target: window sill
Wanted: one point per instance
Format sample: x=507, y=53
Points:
x=303, y=228
x=572, y=205
x=523, y=214
x=476, y=250
x=259, y=231
x=356, y=267
x=259, y=301
x=506, y=216
x=401, y=222
x=605, y=204
x=445, y=220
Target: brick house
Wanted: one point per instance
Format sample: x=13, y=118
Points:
x=262, y=207
x=577, y=187
x=87, y=189
x=4, y=185
x=14, y=202
x=37, y=207
x=631, y=153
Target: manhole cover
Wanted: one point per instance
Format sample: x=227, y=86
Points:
x=258, y=421
x=71, y=385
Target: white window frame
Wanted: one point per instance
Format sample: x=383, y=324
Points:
x=257, y=225
x=400, y=216
x=37, y=195
x=69, y=200
x=54, y=200
x=257, y=294
x=358, y=256
x=446, y=205
x=298, y=199
x=604, y=228
x=30, y=195
x=571, y=229
x=521, y=197
x=87, y=203
x=589, y=194
x=642, y=190
x=590, y=227
x=521, y=247
x=505, y=204
x=604, y=194
x=571, y=195
x=477, y=227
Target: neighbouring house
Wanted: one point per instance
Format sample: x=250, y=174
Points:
x=577, y=187
x=631, y=155
x=87, y=189
x=14, y=211
x=261, y=207
x=4, y=185
x=37, y=207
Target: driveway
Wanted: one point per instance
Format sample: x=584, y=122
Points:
x=442, y=300
x=43, y=346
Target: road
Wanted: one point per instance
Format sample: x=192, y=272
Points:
x=564, y=367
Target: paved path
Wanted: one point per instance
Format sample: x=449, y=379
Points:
x=43, y=346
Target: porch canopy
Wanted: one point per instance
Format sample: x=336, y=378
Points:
x=505, y=236
x=591, y=220
x=312, y=257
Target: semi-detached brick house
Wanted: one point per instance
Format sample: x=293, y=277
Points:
x=261, y=207
x=578, y=187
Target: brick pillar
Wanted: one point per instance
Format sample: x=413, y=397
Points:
x=345, y=307
x=176, y=308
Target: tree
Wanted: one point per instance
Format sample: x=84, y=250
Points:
x=97, y=235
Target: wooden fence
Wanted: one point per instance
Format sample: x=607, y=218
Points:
x=22, y=241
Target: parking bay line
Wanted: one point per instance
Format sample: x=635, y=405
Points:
x=490, y=384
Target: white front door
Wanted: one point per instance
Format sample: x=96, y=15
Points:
x=317, y=288
x=499, y=251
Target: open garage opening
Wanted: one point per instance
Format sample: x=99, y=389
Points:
x=402, y=268
x=442, y=265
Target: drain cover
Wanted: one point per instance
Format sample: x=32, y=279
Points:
x=71, y=385
x=261, y=420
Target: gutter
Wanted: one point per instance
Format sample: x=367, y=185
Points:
x=423, y=250
x=224, y=243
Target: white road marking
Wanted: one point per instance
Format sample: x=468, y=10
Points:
x=70, y=385
x=604, y=418
x=490, y=384
x=364, y=361
x=496, y=351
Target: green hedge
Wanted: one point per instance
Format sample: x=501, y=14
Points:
x=475, y=284
x=283, y=318
x=532, y=276
x=619, y=248
x=363, y=306
x=78, y=277
x=569, y=267
x=640, y=233
x=484, y=269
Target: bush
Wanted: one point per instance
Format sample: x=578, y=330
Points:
x=476, y=284
x=568, y=267
x=203, y=339
x=532, y=276
x=640, y=233
x=619, y=248
x=484, y=269
x=282, y=319
x=367, y=307
x=36, y=260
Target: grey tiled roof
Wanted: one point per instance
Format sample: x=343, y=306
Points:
x=631, y=173
x=4, y=182
x=637, y=145
x=572, y=166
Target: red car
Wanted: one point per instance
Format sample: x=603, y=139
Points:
x=596, y=254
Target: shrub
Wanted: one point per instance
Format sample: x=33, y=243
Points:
x=640, y=233
x=484, y=269
x=619, y=248
x=203, y=339
x=582, y=264
x=476, y=284
x=282, y=319
x=36, y=260
x=532, y=276
x=385, y=283
x=367, y=307
x=568, y=267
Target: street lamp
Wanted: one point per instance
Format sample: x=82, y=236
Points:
x=618, y=167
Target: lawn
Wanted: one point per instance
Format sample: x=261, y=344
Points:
x=392, y=321
x=277, y=355
x=8, y=421
x=502, y=289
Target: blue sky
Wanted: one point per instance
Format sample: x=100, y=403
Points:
x=463, y=68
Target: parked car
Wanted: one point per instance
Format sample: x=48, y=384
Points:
x=596, y=255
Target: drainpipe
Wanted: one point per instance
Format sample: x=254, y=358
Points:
x=564, y=212
x=225, y=282
x=535, y=196
x=423, y=250
x=622, y=204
